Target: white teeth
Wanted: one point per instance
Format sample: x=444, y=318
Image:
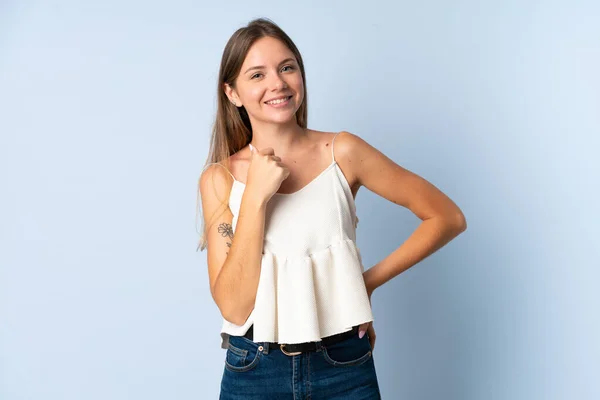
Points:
x=278, y=101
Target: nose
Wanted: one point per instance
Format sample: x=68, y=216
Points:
x=278, y=83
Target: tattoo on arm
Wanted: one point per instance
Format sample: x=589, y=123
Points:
x=226, y=230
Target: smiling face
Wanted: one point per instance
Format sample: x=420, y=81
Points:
x=269, y=84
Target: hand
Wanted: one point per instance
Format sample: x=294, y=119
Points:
x=265, y=173
x=368, y=327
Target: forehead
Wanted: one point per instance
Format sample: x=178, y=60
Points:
x=265, y=51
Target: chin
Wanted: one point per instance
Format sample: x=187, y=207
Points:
x=285, y=120
x=281, y=118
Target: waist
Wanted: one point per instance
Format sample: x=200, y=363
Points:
x=298, y=348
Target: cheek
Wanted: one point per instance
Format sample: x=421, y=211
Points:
x=297, y=84
x=298, y=87
x=256, y=93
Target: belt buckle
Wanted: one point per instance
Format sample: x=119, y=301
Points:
x=289, y=354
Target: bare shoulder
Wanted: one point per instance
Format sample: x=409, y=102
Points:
x=214, y=183
x=383, y=176
x=345, y=148
x=365, y=165
x=347, y=144
x=348, y=148
x=224, y=171
x=324, y=140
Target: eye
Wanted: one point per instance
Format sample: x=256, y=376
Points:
x=255, y=75
x=288, y=66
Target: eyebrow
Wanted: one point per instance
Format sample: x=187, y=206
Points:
x=262, y=66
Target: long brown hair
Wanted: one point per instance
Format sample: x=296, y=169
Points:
x=232, y=130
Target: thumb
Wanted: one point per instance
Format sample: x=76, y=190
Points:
x=252, y=148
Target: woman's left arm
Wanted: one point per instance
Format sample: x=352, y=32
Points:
x=442, y=220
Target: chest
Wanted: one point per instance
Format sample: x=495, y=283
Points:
x=309, y=218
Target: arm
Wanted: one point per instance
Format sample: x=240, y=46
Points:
x=233, y=262
x=441, y=218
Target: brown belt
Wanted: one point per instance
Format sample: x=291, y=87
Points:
x=297, y=348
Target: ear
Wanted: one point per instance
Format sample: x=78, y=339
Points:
x=231, y=94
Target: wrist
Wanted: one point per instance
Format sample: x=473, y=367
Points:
x=369, y=284
x=255, y=202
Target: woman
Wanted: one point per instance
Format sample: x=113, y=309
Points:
x=280, y=227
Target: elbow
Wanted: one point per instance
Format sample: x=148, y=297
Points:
x=453, y=223
x=233, y=313
x=240, y=314
x=235, y=317
x=458, y=223
x=228, y=314
x=230, y=309
x=224, y=308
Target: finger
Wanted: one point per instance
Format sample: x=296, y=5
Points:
x=362, y=329
x=278, y=159
x=286, y=170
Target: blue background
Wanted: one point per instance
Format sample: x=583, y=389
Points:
x=105, y=117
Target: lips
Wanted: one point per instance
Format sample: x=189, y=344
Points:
x=277, y=100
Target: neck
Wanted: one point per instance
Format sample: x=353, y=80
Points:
x=282, y=138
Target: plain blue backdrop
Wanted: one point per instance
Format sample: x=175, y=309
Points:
x=105, y=117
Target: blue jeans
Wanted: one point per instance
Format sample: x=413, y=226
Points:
x=344, y=370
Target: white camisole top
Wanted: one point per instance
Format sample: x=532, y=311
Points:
x=311, y=283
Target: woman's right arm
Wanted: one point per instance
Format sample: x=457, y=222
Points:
x=234, y=263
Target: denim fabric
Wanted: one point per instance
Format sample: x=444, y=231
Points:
x=344, y=370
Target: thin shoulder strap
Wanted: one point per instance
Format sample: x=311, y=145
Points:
x=332, y=142
x=221, y=166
